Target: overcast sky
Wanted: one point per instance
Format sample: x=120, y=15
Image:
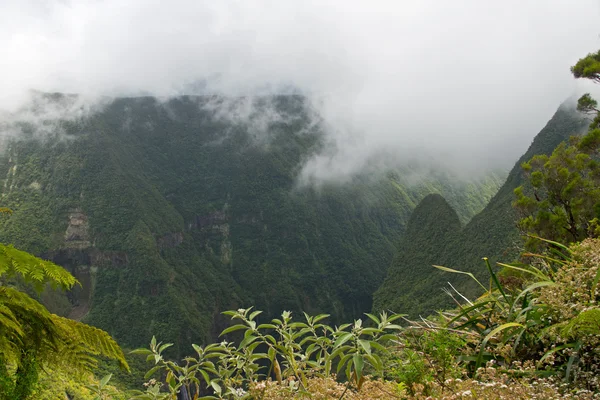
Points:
x=466, y=82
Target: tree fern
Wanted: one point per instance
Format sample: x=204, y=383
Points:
x=31, y=336
x=32, y=269
x=86, y=339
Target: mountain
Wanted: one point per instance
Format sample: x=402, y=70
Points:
x=171, y=211
x=433, y=227
x=413, y=286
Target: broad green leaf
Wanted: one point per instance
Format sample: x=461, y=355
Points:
x=266, y=326
x=233, y=328
x=492, y=334
x=247, y=340
x=370, y=331
x=141, y=351
x=373, y=318
x=343, y=362
x=319, y=318
x=164, y=347
x=216, y=387
x=152, y=371
x=342, y=339
x=359, y=363
x=366, y=345
x=254, y=315
x=105, y=380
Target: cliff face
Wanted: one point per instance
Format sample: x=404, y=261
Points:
x=169, y=213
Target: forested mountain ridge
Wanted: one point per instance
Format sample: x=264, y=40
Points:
x=413, y=286
x=171, y=211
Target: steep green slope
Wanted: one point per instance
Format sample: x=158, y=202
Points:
x=431, y=229
x=491, y=233
x=170, y=212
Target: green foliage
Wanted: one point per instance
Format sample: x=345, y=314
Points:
x=294, y=352
x=432, y=228
x=102, y=391
x=588, y=67
x=54, y=384
x=565, y=195
x=31, y=337
x=33, y=270
x=426, y=356
x=586, y=323
x=587, y=104
x=189, y=213
x=538, y=320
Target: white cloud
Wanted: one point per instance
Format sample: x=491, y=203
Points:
x=467, y=83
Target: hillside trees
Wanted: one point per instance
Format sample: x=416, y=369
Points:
x=563, y=202
x=31, y=337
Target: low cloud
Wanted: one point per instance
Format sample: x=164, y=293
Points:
x=463, y=84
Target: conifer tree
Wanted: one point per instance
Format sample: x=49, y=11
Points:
x=562, y=202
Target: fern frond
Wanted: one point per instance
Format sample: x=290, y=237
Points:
x=82, y=339
x=14, y=262
x=25, y=324
x=586, y=323
x=27, y=327
x=9, y=321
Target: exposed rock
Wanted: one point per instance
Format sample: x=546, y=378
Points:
x=215, y=224
x=208, y=221
x=226, y=251
x=170, y=240
x=83, y=263
x=77, y=233
x=35, y=185
x=111, y=258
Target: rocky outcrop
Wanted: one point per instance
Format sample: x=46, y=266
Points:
x=77, y=233
x=170, y=240
x=108, y=258
x=211, y=220
x=215, y=227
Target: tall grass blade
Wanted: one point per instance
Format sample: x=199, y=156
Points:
x=491, y=335
x=496, y=281
x=454, y=271
x=557, y=244
x=533, y=271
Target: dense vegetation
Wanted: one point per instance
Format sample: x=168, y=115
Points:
x=432, y=229
x=412, y=287
x=169, y=212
